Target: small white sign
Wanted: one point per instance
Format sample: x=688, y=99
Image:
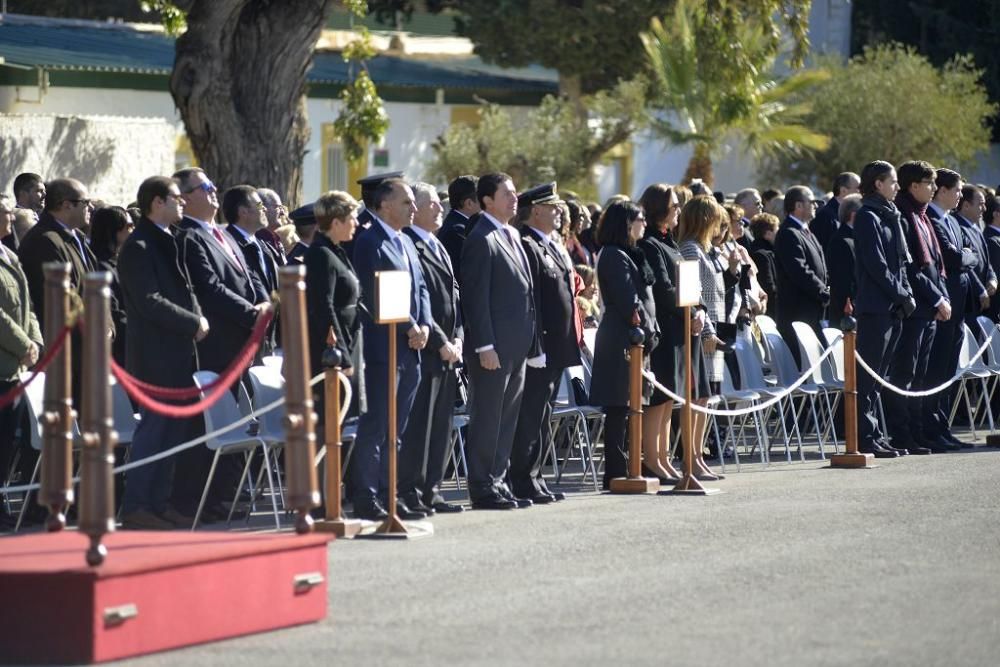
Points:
x=688, y=283
x=392, y=296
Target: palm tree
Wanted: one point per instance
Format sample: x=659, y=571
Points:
x=711, y=78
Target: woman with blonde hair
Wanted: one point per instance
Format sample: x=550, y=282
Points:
x=700, y=224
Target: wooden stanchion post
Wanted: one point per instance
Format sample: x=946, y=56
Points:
x=635, y=482
x=300, y=420
x=851, y=458
x=56, y=492
x=97, y=491
x=393, y=525
x=334, y=522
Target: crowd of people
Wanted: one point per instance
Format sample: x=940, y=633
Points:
x=503, y=289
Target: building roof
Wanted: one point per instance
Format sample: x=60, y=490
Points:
x=90, y=46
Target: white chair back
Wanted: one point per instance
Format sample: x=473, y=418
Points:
x=225, y=411
x=122, y=413
x=34, y=396
x=833, y=338
x=268, y=387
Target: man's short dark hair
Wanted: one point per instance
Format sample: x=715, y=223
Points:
x=488, y=185
x=874, y=171
x=25, y=182
x=58, y=191
x=384, y=190
x=234, y=198
x=968, y=193
x=462, y=188
x=912, y=172
x=796, y=194
x=843, y=181
x=151, y=188
x=946, y=178
x=992, y=206
x=184, y=176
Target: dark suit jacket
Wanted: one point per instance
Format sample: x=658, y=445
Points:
x=263, y=276
x=442, y=289
x=555, y=297
x=840, y=257
x=925, y=279
x=881, y=280
x=163, y=312
x=498, y=303
x=375, y=251
x=826, y=222
x=975, y=240
x=762, y=254
x=802, y=278
x=118, y=315
x=452, y=234
x=297, y=254
x=992, y=236
x=224, y=291
x=47, y=242
x=333, y=294
x=960, y=261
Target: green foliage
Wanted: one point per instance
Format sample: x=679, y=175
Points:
x=357, y=7
x=174, y=19
x=362, y=118
x=551, y=142
x=713, y=75
x=891, y=103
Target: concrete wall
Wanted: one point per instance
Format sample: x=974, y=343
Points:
x=108, y=154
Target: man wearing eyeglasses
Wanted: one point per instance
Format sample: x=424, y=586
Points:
x=277, y=215
x=225, y=290
x=56, y=239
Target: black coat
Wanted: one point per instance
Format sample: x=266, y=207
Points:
x=762, y=254
x=992, y=236
x=452, y=235
x=975, y=240
x=297, y=254
x=442, y=288
x=882, y=284
x=555, y=298
x=163, y=312
x=802, y=288
x=264, y=277
x=662, y=256
x=624, y=291
x=840, y=257
x=224, y=290
x=826, y=223
x=925, y=279
x=960, y=261
x=118, y=315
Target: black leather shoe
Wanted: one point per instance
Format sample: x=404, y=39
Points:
x=937, y=445
x=918, y=450
x=404, y=511
x=447, y=508
x=950, y=437
x=558, y=496
x=370, y=510
x=877, y=450
x=507, y=495
x=542, y=499
x=415, y=503
x=495, y=502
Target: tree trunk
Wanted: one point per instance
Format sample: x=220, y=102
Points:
x=700, y=165
x=239, y=83
x=571, y=87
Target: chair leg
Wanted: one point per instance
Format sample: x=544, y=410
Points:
x=270, y=486
x=204, y=492
x=239, y=487
x=27, y=494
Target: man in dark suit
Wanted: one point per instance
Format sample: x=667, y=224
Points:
x=925, y=272
x=498, y=306
x=277, y=215
x=228, y=299
x=385, y=248
x=827, y=219
x=426, y=443
x=803, y=294
x=840, y=258
x=560, y=333
x=461, y=217
x=305, y=226
x=367, y=216
x=967, y=296
x=165, y=321
x=884, y=297
x=970, y=216
x=991, y=233
x=56, y=238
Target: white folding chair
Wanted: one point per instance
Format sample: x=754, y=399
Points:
x=807, y=393
x=976, y=371
x=824, y=376
x=752, y=378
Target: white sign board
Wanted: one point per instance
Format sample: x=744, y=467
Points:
x=392, y=296
x=688, y=284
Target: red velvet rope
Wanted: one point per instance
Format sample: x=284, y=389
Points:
x=43, y=363
x=146, y=394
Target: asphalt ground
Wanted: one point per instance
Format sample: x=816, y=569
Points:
x=791, y=565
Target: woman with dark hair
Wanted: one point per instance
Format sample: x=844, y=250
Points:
x=579, y=220
x=660, y=204
x=333, y=292
x=109, y=227
x=624, y=278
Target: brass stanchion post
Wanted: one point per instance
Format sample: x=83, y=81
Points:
x=635, y=482
x=334, y=522
x=56, y=491
x=851, y=458
x=300, y=420
x=97, y=500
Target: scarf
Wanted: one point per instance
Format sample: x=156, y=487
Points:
x=889, y=215
x=922, y=230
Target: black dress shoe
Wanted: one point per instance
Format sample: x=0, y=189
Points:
x=447, y=508
x=558, y=496
x=918, y=450
x=937, y=445
x=542, y=499
x=495, y=502
x=370, y=510
x=877, y=450
x=415, y=503
x=507, y=495
x=950, y=437
x=404, y=511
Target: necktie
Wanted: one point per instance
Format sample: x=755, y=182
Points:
x=514, y=246
x=399, y=246
x=217, y=233
x=83, y=253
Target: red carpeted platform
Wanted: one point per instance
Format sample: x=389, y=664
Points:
x=155, y=591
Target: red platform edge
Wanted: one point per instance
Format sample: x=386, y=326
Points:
x=187, y=588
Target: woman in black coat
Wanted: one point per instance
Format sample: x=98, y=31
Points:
x=333, y=293
x=662, y=208
x=109, y=227
x=624, y=278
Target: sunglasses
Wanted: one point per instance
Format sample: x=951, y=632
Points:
x=207, y=186
x=85, y=202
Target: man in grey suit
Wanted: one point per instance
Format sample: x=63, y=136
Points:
x=499, y=309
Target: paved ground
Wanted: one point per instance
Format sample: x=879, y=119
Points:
x=792, y=565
